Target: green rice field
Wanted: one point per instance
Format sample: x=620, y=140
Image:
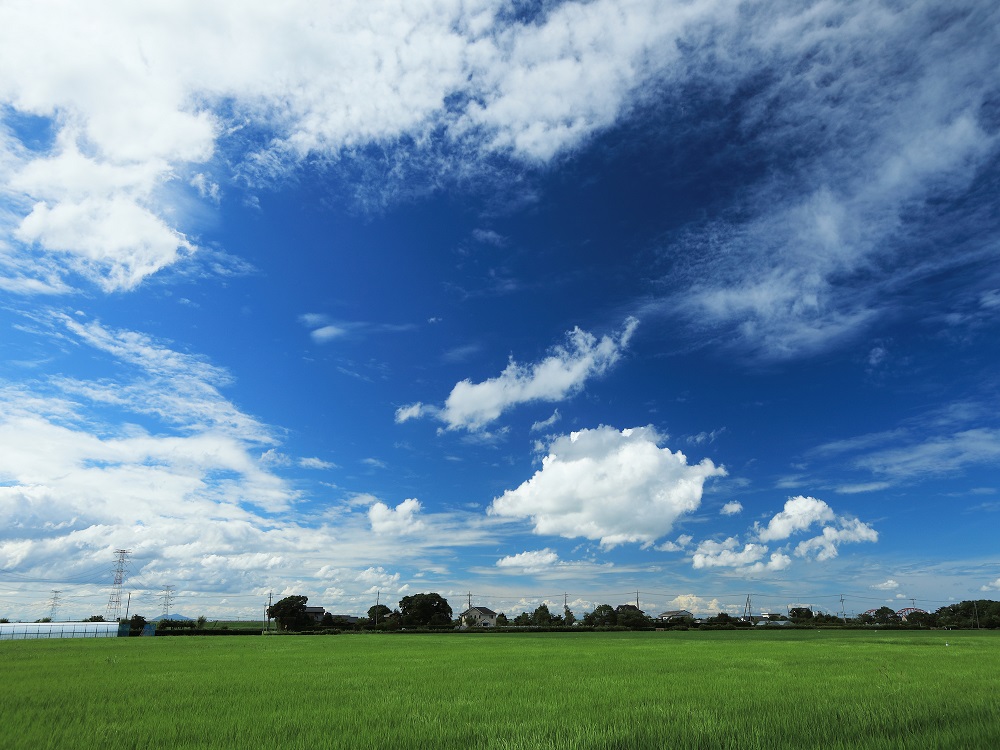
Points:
x=722, y=689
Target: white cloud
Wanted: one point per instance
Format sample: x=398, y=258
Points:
x=316, y=463
x=994, y=586
x=727, y=554
x=854, y=489
x=825, y=545
x=732, y=508
x=546, y=423
x=887, y=585
x=799, y=514
x=529, y=561
x=399, y=520
x=377, y=578
x=608, y=485
x=326, y=334
x=148, y=103
x=695, y=604
x=944, y=454
x=472, y=406
x=406, y=413
x=677, y=545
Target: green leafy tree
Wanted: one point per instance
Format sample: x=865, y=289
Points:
x=290, y=613
x=541, y=616
x=502, y=620
x=379, y=613
x=603, y=616
x=630, y=616
x=523, y=619
x=425, y=610
x=95, y=618
x=800, y=614
x=200, y=622
x=568, y=617
x=723, y=618
x=136, y=624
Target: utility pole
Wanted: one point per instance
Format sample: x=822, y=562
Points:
x=378, y=597
x=637, y=600
x=470, y=600
x=267, y=614
x=748, y=611
x=54, y=604
x=843, y=614
x=120, y=570
x=166, y=597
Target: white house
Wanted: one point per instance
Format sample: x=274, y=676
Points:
x=478, y=617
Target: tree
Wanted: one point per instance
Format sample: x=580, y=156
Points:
x=603, y=616
x=541, y=616
x=523, y=619
x=630, y=616
x=95, y=618
x=290, y=613
x=568, y=617
x=723, y=618
x=378, y=613
x=136, y=624
x=424, y=610
x=502, y=620
x=800, y=614
x=886, y=616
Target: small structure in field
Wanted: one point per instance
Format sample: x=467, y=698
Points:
x=676, y=616
x=478, y=617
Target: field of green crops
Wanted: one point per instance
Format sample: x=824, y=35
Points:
x=724, y=689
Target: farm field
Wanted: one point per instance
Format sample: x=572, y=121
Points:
x=722, y=689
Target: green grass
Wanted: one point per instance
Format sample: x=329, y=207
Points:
x=724, y=689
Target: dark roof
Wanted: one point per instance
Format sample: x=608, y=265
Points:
x=480, y=610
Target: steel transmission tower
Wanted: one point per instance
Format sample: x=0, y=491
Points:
x=54, y=604
x=115, y=600
x=167, y=596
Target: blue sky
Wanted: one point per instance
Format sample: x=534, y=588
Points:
x=528, y=300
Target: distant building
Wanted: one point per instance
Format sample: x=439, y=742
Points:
x=478, y=617
x=675, y=615
x=315, y=614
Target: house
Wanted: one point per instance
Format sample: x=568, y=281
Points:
x=675, y=615
x=478, y=617
x=315, y=614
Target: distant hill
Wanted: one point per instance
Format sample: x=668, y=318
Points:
x=169, y=617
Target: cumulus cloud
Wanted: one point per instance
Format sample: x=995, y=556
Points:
x=403, y=519
x=825, y=545
x=801, y=513
x=677, y=545
x=798, y=514
x=529, y=561
x=887, y=585
x=732, y=508
x=994, y=586
x=727, y=554
x=695, y=604
x=562, y=374
x=608, y=485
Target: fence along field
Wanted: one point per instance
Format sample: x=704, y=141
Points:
x=723, y=689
